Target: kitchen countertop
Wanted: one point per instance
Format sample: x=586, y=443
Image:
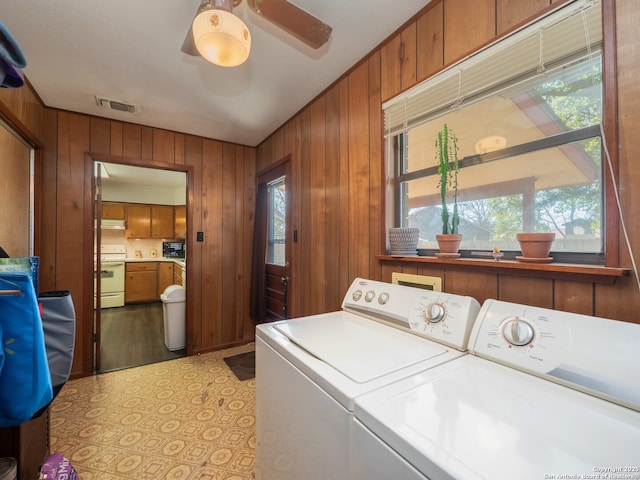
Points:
x=177, y=261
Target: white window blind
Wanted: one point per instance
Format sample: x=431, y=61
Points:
x=572, y=31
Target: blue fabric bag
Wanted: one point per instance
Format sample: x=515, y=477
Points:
x=25, y=381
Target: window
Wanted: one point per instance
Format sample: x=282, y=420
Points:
x=276, y=229
x=527, y=112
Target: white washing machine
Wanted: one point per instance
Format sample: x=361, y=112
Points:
x=543, y=394
x=310, y=370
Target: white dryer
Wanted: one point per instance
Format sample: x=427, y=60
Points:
x=310, y=370
x=543, y=394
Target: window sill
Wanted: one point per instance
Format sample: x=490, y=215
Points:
x=560, y=271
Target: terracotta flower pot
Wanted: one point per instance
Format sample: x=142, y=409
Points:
x=449, y=245
x=535, y=246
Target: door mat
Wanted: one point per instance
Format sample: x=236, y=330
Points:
x=242, y=365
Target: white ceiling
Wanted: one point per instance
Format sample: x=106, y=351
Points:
x=129, y=51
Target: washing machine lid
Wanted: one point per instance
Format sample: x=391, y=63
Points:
x=359, y=348
x=474, y=419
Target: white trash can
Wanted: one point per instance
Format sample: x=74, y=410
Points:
x=173, y=310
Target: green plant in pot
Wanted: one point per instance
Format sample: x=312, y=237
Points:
x=447, y=156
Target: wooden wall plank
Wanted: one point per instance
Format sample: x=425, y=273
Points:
x=248, y=216
x=359, y=193
x=117, y=138
x=573, y=297
x=345, y=202
x=530, y=291
x=430, y=42
x=408, y=60
x=179, y=139
x=132, y=142
x=480, y=286
x=227, y=166
x=49, y=216
x=510, y=13
x=163, y=146
x=377, y=238
x=193, y=157
x=146, y=143
x=304, y=221
x=332, y=174
x=74, y=135
x=318, y=206
x=100, y=135
x=212, y=274
x=468, y=24
x=391, y=68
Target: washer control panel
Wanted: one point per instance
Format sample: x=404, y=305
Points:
x=591, y=354
x=443, y=317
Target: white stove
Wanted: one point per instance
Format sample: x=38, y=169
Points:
x=543, y=394
x=311, y=370
x=112, y=273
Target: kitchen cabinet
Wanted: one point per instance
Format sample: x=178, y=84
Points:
x=162, y=221
x=141, y=282
x=149, y=221
x=165, y=275
x=113, y=211
x=138, y=221
x=180, y=222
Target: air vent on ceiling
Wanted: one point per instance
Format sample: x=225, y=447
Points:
x=116, y=105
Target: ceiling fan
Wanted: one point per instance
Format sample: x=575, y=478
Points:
x=292, y=19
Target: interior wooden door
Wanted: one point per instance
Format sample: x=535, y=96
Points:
x=278, y=251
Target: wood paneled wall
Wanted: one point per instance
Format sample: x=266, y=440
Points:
x=337, y=187
x=337, y=151
x=221, y=202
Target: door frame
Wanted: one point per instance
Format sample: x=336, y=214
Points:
x=89, y=234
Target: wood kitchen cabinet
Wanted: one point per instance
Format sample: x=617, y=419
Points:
x=180, y=222
x=138, y=221
x=113, y=211
x=141, y=282
x=150, y=221
x=162, y=221
x=165, y=275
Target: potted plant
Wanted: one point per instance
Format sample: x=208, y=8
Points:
x=535, y=246
x=447, y=156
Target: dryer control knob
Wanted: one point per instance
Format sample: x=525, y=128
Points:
x=383, y=298
x=357, y=295
x=434, y=313
x=518, y=332
x=370, y=296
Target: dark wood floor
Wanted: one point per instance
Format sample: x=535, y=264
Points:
x=133, y=335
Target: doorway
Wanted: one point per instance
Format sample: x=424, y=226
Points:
x=129, y=327
x=276, y=229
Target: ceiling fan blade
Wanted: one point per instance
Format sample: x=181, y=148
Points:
x=302, y=25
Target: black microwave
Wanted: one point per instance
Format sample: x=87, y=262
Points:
x=174, y=249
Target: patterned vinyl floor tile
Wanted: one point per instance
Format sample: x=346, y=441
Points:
x=184, y=419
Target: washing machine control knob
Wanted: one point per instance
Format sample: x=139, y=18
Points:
x=517, y=332
x=357, y=295
x=383, y=298
x=435, y=313
x=370, y=296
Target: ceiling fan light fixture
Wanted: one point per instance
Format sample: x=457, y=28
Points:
x=221, y=37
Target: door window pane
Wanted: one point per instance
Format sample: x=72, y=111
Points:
x=276, y=230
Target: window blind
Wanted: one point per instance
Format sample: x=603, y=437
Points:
x=570, y=32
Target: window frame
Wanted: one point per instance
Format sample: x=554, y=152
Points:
x=610, y=256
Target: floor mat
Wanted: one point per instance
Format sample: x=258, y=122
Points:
x=242, y=365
